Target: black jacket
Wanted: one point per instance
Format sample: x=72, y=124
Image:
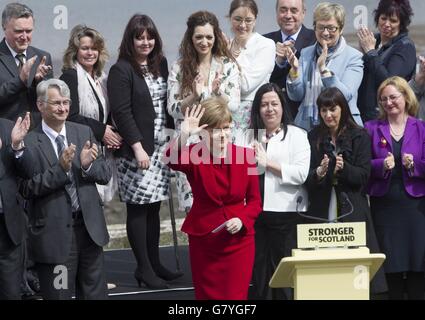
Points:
x=11, y=200
x=354, y=145
x=98, y=127
x=396, y=58
x=17, y=97
x=132, y=107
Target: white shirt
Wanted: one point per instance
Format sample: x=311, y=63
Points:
x=257, y=61
x=294, y=36
x=52, y=134
x=14, y=53
x=293, y=155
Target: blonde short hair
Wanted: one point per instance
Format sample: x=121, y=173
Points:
x=326, y=11
x=412, y=104
x=216, y=112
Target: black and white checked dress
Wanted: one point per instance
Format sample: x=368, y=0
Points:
x=139, y=186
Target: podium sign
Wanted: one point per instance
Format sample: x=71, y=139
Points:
x=325, y=235
x=328, y=274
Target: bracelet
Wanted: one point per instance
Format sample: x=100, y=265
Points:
x=320, y=174
x=22, y=147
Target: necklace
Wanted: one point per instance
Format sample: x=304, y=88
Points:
x=271, y=135
x=235, y=48
x=395, y=133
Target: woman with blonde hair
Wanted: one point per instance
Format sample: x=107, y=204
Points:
x=83, y=71
x=397, y=187
x=331, y=62
x=83, y=64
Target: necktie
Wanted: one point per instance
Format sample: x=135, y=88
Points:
x=70, y=187
x=288, y=38
x=20, y=57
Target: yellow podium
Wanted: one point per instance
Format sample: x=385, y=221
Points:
x=329, y=273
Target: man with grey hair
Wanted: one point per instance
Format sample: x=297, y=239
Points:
x=21, y=68
x=62, y=164
x=21, y=65
x=290, y=17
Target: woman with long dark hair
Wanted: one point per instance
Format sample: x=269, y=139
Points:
x=137, y=89
x=205, y=68
x=283, y=155
x=339, y=169
x=340, y=159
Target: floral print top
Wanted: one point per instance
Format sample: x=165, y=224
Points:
x=229, y=88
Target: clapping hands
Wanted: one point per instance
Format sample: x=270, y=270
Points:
x=88, y=154
x=19, y=131
x=323, y=168
x=367, y=39
x=389, y=162
x=42, y=70
x=407, y=161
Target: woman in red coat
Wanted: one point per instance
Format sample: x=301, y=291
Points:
x=226, y=203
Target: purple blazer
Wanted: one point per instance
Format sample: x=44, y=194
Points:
x=413, y=142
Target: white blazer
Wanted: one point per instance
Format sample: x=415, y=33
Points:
x=257, y=63
x=293, y=155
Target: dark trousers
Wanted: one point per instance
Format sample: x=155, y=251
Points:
x=83, y=272
x=411, y=283
x=275, y=237
x=11, y=261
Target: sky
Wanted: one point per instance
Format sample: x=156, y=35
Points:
x=54, y=19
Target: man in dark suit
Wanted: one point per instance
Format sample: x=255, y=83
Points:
x=290, y=16
x=21, y=66
x=67, y=227
x=12, y=221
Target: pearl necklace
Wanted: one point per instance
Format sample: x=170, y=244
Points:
x=395, y=133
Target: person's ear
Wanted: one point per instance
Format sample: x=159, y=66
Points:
x=39, y=105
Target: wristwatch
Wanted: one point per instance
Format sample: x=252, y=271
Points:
x=22, y=147
x=326, y=70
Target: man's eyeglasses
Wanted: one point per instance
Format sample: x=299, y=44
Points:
x=391, y=98
x=58, y=103
x=330, y=29
x=240, y=20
